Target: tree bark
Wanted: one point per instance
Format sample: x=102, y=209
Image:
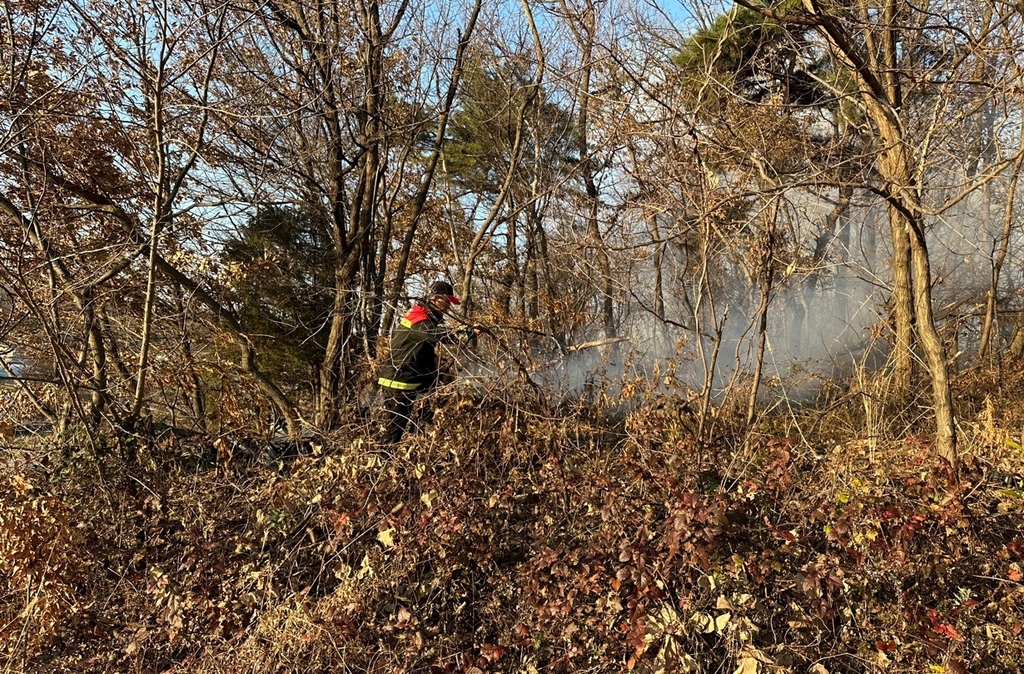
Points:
x=934, y=349
x=349, y=243
x=197, y=401
x=98, y=357
x=659, y=261
x=902, y=303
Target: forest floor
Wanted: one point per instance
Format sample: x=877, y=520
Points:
x=510, y=536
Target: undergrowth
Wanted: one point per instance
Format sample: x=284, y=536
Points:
x=513, y=537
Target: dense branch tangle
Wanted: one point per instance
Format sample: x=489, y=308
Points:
x=232, y=200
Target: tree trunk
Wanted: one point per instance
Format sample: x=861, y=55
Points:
x=902, y=301
x=934, y=350
x=705, y=423
x=332, y=370
x=98, y=357
x=586, y=36
x=876, y=68
x=992, y=296
x=901, y=184
x=659, y=262
x=197, y=401
x=766, y=277
x=147, y=324
x=349, y=242
x=114, y=350
x=844, y=225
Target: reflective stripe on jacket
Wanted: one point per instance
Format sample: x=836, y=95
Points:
x=400, y=385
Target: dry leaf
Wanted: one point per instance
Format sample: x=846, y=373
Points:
x=387, y=537
x=748, y=665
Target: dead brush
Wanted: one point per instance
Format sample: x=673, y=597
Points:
x=40, y=565
x=867, y=410
x=513, y=534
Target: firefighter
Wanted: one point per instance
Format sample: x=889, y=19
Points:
x=412, y=365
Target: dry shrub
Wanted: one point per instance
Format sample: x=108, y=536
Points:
x=513, y=536
x=19, y=404
x=39, y=565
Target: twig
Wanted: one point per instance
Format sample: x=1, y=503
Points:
x=580, y=347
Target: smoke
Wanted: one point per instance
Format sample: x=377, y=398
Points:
x=824, y=322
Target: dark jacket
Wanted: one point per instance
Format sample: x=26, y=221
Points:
x=412, y=363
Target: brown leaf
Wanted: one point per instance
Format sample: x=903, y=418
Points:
x=747, y=665
x=491, y=652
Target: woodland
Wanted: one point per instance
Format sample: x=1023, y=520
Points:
x=748, y=396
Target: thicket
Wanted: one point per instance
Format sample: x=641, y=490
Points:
x=510, y=535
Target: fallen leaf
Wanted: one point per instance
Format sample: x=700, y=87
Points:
x=948, y=631
x=387, y=537
x=492, y=653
